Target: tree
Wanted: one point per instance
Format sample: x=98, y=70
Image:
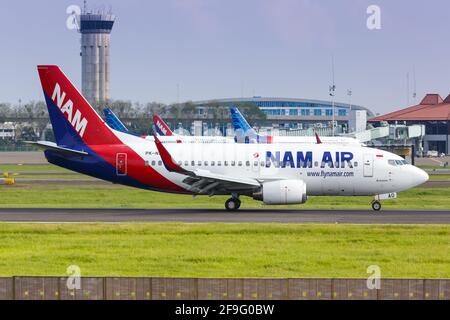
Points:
x=28, y=134
x=251, y=111
x=189, y=109
x=174, y=111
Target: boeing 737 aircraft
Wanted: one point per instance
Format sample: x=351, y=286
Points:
x=277, y=173
x=244, y=133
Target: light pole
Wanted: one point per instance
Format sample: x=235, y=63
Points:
x=349, y=93
x=332, y=90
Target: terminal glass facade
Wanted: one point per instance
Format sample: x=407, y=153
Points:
x=294, y=108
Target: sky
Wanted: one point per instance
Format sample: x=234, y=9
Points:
x=213, y=49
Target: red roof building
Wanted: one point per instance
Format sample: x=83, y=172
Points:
x=432, y=107
x=434, y=113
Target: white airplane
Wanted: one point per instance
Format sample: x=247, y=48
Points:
x=277, y=173
x=246, y=134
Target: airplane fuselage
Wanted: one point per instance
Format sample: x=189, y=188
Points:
x=326, y=169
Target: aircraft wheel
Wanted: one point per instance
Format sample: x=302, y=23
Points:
x=376, y=205
x=232, y=204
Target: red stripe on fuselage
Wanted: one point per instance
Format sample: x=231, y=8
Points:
x=136, y=167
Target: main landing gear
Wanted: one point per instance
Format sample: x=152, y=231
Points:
x=232, y=204
x=376, y=205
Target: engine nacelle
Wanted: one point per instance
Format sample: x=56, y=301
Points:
x=282, y=192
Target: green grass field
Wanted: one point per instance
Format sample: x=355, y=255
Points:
x=113, y=196
x=31, y=167
x=225, y=250
x=213, y=249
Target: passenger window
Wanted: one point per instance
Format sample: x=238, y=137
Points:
x=153, y=163
x=316, y=163
x=199, y=163
x=186, y=163
x=356, y=164
x=255, y=164
x=180, y=163
x=240, y=163
x=262, y=163
x=391, y=162
x=225, y=163
x=206, y=163
x=193, y=163
x=233, y=163
x=247, y=163
x=398, y=162
x=219, y=163
x=159, y=162
x=212, y=163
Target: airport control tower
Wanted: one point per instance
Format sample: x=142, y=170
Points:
x=95, y=32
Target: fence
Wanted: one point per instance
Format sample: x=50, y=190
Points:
x=147, y=288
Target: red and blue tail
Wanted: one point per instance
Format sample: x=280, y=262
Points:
x=160, y=127
x=75, y=122
x=86, y=144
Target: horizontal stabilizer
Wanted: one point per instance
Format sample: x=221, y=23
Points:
x=48, y=145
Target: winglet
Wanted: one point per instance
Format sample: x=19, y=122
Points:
x=167, y=159
x=318, y=141
x=161, y=127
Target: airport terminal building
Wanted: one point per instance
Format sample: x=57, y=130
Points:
x=295, y=113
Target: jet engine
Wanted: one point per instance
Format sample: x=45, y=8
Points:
x=282, y=192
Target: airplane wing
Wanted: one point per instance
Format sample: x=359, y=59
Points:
x=204, y=181
x=48, y=145
x=318, y=141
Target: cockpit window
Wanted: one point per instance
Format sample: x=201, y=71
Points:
x=397, y=162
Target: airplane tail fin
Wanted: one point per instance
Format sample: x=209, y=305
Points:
x=75, y=123
x=161, y=128
x=113, y=121
x=238, y=120
x=244, y=132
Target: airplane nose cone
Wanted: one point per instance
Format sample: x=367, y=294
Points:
x=419, y=176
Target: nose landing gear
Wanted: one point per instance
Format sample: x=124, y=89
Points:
x=232, y=204
x=376, y=205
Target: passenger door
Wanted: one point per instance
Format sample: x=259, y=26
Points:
x=121, y=164
x=368, y=165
